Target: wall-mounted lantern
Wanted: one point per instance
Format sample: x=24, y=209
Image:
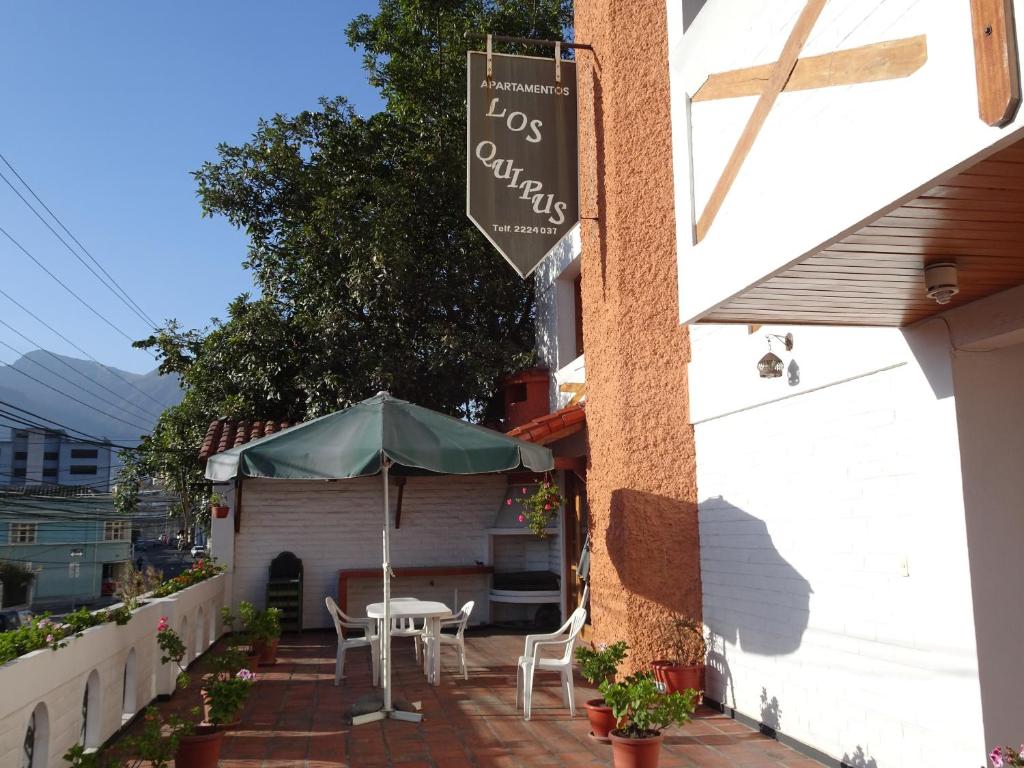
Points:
x=771, y=366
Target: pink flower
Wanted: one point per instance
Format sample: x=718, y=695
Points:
x=162, y=625
x=524, y=489
x=49, y=638
x=996, y=757
x=508, y=502
x=522, y=518
x=245, y=674
x=547, y=506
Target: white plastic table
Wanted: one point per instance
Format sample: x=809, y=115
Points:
x=431, y=613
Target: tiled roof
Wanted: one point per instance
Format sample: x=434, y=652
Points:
x=227, y=433
x=554, y=426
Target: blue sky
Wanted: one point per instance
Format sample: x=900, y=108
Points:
x=107, y=107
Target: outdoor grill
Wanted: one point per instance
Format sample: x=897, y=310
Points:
x=540, y=588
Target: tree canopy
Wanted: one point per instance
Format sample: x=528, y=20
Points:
x=369, y=274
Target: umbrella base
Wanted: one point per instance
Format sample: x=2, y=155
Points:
x=370, y=709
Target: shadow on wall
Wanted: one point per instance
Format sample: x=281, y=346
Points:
x=771, y=714
x=753, y=598
x=651, y=542
x=858, y=759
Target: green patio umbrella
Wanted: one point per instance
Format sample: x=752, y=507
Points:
x=380, y=435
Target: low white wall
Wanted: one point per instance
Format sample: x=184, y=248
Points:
x=335, y=525
x=56, y=680
x=833, y=542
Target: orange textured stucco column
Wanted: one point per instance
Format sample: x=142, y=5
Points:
x=641, y=483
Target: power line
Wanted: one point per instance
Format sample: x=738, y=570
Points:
x=64, y=285
x=60, y=335
x=75, y=384
x=85, y=250
x=127, y=302
x=71, y=397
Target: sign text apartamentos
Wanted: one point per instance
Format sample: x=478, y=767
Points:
x=522, y=185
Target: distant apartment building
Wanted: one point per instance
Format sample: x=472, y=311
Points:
x=42, y=457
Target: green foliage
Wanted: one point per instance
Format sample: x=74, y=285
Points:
x=14, y=576
x=641, y=710
x=226, y=695
x=172, y=648
x=542, y=507
x=260, y=626
x=600, y=662
x=129, y=482
x=370, y=276
x=216, y=500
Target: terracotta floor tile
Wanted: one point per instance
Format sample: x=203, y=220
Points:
x=296, y=718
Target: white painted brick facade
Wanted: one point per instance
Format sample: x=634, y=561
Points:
x=338, y=525
x=813, y=499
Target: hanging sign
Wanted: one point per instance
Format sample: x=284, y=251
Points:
x=522, y=189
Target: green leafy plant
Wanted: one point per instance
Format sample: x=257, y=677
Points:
x=641, y=710
x=172, y=648
x=226, y=694
x=600, y=662
x=260, y=626
x=15, y=579
x=216, y=500
x=541, y=507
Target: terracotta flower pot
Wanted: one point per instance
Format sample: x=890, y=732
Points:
x=220, y=512
x=267, y=650
x=601, y=719
x=202, y=749
x=252, y=659
x=678, y=678
x=635, y=753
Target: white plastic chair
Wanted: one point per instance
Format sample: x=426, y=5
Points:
x=407, y=627
x=531, y=660
x=459, y=621
x=369, y=638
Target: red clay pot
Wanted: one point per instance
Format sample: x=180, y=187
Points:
x=267, y=651
x=635, y=753
x=220, y=512
x=678, y=678
x=201, y=750
x=601, y=719
x=252, y=660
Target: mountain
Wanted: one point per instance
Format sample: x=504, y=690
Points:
x=124, y=397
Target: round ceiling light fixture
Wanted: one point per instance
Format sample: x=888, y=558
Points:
x=940, y=281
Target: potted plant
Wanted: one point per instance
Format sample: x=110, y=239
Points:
x=225, y=668
x=541, y=507
x=154, y=746
x=642, y=711
x=598, y=664
x=263, y=629
x=217, y=506
x=240, y=640
x=172, y=649
x=681, y=641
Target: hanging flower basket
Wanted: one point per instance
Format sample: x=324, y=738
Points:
x=541, y=507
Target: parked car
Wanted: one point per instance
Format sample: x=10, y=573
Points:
x=12, y=618
x=199, y=550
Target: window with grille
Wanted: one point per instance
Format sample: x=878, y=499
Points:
x=23, y=533
x=115, y=530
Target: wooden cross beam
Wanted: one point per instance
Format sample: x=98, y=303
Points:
x=578, y=391
x=881, y=61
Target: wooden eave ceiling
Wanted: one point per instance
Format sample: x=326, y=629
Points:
x=874, y=276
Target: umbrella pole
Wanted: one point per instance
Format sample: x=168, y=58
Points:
x=385, y=640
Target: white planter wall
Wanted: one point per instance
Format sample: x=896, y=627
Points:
x=55, y=681
x=833, y=543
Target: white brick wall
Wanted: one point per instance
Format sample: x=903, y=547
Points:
x=335, y=525
x=813, y=497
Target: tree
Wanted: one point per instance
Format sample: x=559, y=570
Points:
x=370, y=275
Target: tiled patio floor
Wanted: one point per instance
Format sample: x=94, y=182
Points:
x=295, y=717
